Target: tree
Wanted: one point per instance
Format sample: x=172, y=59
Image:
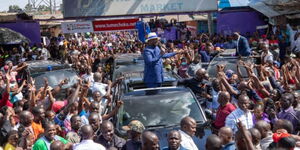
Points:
x=14, y=8
x=43, y=8
x=28, y=8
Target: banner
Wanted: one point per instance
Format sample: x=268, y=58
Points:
x=113, y=25
x=79, y=8
x=77, y=27
x=192, y=26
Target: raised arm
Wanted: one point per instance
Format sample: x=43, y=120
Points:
x=8, y=77
x=51, y=99
x=239, y=73
x=21, y=67
x=114, y=111
x=73, y=97
x=46, y=84
x=247, y=137
x=227, y=85
x=20, y=88
x=259, y=84
x=57, y=89
x=83, y=99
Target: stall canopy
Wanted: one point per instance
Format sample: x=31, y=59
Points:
x=8, y=36
x=233, y=3
x=94, y=8
x=273, y=8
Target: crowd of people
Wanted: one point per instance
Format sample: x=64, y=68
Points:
x=261, y=111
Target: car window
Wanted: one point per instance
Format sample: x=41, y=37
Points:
x=231, y=64
x=54, y=77
x=164, y=108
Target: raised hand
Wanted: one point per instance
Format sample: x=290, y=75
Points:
x=220, y=67
x=119, y=103
x=46, y=81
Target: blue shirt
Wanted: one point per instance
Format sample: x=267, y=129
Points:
x=229, y=146
x=204, y=56
x=180, y=148
x=153, y=72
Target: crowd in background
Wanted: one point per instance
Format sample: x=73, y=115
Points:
x=258, y=112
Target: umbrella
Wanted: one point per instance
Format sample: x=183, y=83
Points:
x=8, y=36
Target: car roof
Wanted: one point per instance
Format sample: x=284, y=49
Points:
x=143, y=92
x=42, y=65
x=228, y=52
x=122, y=58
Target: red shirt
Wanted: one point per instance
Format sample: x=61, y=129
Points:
x=222, y=113
x=5, y=100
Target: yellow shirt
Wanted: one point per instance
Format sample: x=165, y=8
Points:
x=9, y=147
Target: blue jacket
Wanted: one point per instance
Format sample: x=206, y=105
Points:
x=229, y=146
x=243, y=48
x=153, y=72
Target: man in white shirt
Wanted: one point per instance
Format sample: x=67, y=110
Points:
x=87, y=143
x=266, y=54
x=187, y=131
x=296, y=48
x=292, y=31
x=266, y=133
x=89, y=75
x=240, y=114
x=101, y=87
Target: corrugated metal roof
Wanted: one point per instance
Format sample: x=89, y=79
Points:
x=180, y=18
x=273, y=8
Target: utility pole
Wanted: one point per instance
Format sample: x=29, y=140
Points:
x=54, y=7
x=210, y=23
x=51, y=7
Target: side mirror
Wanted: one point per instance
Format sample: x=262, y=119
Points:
x=208, y=114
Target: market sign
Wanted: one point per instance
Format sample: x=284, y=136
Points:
x=81, y=8
x=114, y=25
x=77, y=27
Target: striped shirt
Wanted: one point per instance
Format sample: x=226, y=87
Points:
x=239, y=115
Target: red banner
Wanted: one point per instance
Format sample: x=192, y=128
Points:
x=113, y=25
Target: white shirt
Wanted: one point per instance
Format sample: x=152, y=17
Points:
x=88, y=77
x=266, y=57
x=88, y=145
x=187, y=141
x=45, y=53
x=265, y=142
x=233, y=118
x=101, y=87
x=297, y=45
x=292, y=35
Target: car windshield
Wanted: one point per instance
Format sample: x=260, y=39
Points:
x=167, y=107
x=54, y=77
x=231, y=64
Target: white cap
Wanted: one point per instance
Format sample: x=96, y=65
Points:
x=152, y=35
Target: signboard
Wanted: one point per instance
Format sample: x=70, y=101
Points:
x=77, y=27
x=192, y=26
x=79, y=8
x=113, y=25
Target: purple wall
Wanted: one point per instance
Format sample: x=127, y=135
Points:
x=31, y=30
x=239, y=21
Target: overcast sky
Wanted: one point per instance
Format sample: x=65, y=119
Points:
x=4, y=4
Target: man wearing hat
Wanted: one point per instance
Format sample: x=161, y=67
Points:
x=153, y=54
x=135, y=129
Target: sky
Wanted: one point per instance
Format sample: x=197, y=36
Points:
x=4, y=4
